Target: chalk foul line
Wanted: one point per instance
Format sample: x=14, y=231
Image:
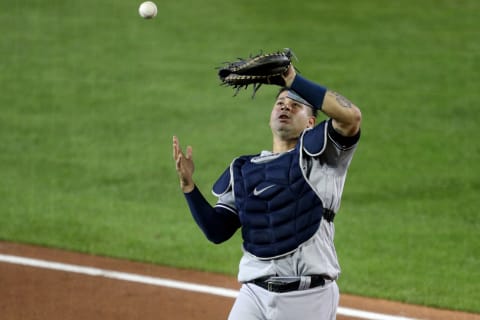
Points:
x=161, y=282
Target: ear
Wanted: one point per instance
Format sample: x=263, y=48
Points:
x=311, y=122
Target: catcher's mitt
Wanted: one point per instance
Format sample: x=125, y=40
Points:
x=260, y=69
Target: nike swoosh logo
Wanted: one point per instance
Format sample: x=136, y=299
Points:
x=258, y=192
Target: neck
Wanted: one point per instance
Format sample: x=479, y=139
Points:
x=283, y=145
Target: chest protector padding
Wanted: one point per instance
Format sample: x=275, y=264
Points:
x=277, y=207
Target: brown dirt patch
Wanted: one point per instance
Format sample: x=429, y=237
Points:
x=31, y=293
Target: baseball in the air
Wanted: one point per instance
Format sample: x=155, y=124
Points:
x=147, y=10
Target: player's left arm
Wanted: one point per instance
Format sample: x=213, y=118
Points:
x=346, y=116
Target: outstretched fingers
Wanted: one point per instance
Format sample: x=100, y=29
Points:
x=176, y=148
x=189, y=153
x=184, y=165
x=178, y=156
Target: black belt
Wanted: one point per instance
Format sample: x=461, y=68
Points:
x=287, y=284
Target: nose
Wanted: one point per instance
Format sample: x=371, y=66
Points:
x=285, y=106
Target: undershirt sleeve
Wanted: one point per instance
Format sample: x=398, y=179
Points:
x=217, y=223
x=341, y=141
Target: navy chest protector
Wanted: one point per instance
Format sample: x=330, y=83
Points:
x=277, y=207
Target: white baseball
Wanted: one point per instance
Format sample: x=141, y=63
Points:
x=147, y=10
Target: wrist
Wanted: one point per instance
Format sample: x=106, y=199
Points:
x=310, y=91
x=187, y=188
x=289, y=77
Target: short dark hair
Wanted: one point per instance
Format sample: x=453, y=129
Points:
x=282, y=89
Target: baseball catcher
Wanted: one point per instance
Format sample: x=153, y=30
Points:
x=284, y=199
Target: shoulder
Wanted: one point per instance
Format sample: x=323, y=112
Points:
x=224, y=182
x=313, y=141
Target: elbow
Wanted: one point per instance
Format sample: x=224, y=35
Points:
x=353, y=125
x=217, y=236
x=215, y=239
x=357, y=117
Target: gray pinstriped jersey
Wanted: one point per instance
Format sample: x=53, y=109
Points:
x=326, y=175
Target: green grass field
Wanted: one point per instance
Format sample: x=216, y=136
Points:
x=91, y=95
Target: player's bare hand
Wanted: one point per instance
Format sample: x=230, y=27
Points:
x=184, y=166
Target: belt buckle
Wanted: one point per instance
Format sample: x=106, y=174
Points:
x=273, y=284
x=269, y=286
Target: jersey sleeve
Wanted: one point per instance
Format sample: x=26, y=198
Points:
x=327, y=171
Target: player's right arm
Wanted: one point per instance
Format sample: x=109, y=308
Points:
x=217, y=223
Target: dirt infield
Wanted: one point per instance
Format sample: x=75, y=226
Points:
x=28, y=292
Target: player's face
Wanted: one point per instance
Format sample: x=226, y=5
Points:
x=289, y=118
